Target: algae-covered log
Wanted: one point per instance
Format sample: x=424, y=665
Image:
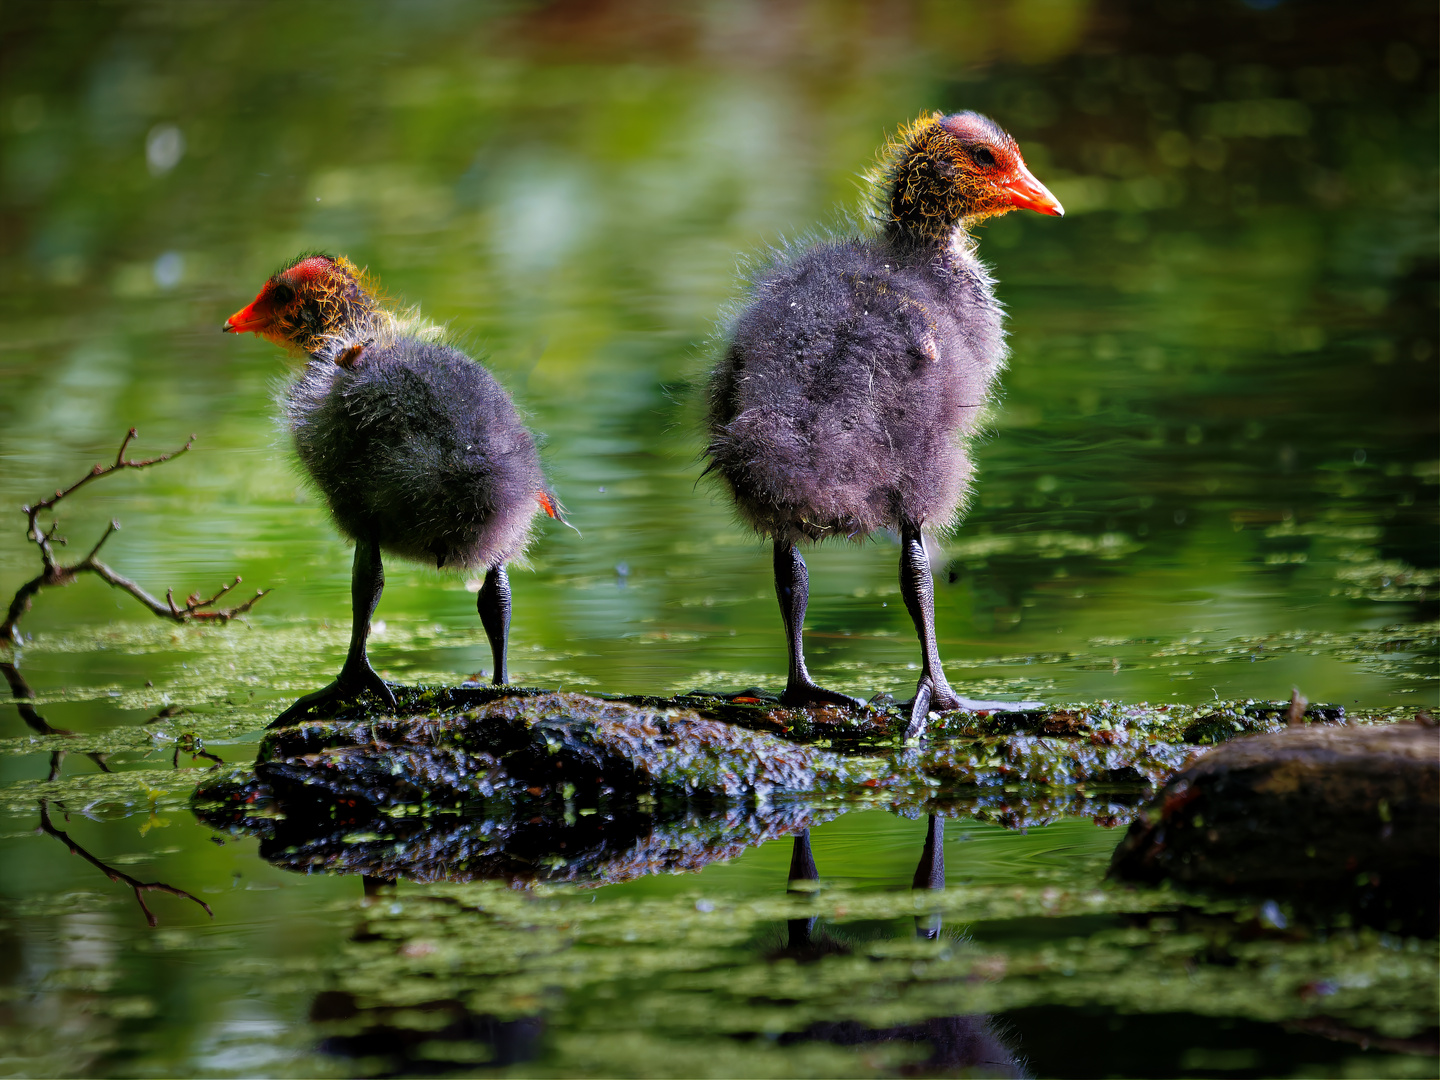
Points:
x=505, y=742
x=1331, y=817
x=522, y=788
x=477, y=782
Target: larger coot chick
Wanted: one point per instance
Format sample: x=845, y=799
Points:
x=857, y=368
x=416, y=449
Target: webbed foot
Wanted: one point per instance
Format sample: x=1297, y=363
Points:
x=932, y=698
x=354, y=682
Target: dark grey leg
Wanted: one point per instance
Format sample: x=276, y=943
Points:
x=916, y=586
x=933, y=690
x=930, y=874
x=792, y=589
x=493, y=603
x=367, y=582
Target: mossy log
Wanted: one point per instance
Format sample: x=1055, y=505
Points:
x=1327, y=817
x=525, y=785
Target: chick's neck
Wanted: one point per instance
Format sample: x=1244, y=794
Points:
x=929, y=201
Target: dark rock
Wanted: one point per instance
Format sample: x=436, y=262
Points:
x=1327, y=817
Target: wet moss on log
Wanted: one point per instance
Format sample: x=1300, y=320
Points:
x=528, y=785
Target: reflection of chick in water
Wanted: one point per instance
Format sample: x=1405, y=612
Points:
x=390, y=1033
x=956, y=1042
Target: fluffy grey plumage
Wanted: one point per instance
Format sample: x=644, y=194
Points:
x=418, y=446
x=857, y=369
x=853, y=374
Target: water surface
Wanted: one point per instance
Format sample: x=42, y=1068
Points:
x=1212, y=473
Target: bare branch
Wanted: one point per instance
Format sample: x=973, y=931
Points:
x=114, y=527
x=196, y=603
x=139, y=887
x=120, y=455
x=104, y=470
x=168, y=609
x=54, y=574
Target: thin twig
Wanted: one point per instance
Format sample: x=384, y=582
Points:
x=140, y=887
x=105, y=470
x=55, y=575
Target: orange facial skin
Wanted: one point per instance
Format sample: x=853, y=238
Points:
x=952, y=171
x=314, y=301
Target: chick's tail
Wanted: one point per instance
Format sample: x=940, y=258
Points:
x=552, y=507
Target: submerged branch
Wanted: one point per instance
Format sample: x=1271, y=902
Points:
x=139, y=887
x=22, y=693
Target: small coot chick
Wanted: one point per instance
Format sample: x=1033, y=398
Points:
x=857, y=368
x=417, y=450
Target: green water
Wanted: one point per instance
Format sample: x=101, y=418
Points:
x=1213, y=472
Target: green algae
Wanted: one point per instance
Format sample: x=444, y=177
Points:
x=714, y=973
x=105, y=794
x=225, y=679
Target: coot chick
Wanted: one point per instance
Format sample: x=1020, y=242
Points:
x=417, y=450
x=857, y=368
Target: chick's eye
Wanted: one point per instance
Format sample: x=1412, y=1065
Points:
x=982, y=156
x=283, y=292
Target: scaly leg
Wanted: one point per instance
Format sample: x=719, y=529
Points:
x=792, y=588
x=493, y=603
x=932, y=691
x=367, y=582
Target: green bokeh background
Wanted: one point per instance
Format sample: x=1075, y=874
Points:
x=1212, y=469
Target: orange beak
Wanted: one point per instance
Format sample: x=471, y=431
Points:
x=1029, y=194
x=252, y=319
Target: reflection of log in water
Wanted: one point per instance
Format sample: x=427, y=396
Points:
x=398, y=1043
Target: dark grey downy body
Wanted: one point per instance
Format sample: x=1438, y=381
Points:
x=851, y=380
x=419, y=448
x=414, y=446
x=843, y=404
